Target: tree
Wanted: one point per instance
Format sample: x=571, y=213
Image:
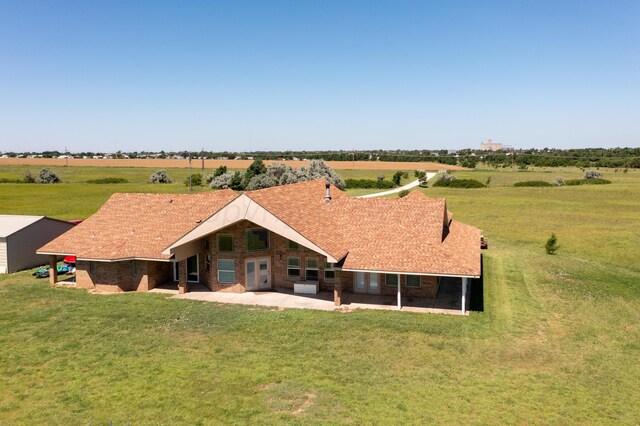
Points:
x=160, y=176
x=256, y=168
x=48, y=176
x=196, y=180
x=396, y=177
x=552, y=246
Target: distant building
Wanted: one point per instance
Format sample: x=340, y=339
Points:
x=491, y=146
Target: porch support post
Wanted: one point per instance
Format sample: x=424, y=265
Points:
x=464, y=295
x=182, y=277
x=399, y=294
x=53, y=269
x=337, y=292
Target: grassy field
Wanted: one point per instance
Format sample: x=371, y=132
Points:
x=75, y=199
x=558, y=341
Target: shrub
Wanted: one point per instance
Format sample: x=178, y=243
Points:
x=48, y=176
x=368, y=184
x=592, y=174
x=403, y=193
x=232, y=180
x=446, y=178
x=108, y=180
x=595, y=181
x=592, y=181
x=459, y=183
x=488, y=181
x=160, y=176
x=261, y=181
x=381, y=177
x=533, y=183
x=551, y=245
x=558, y=182
x=396, y=177
x=28, y=177
x=5, y=180
x=420, y=174
x=196, y=180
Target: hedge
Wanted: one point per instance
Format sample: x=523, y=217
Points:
x=369, y=183
x=108, y=180
x=593, y=181
x=533, y=183
x=459, y=183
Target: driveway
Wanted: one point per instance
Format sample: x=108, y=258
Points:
x=401, y=188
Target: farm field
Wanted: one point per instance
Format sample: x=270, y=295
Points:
x=212, y=164
x=557, y=340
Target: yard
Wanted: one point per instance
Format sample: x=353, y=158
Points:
x=558, y=340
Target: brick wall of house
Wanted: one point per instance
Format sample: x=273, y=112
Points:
x=113, y=277
x=428, y=285
x=277, y=253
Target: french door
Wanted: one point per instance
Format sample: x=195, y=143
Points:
x=258, y=274
x=368, y=283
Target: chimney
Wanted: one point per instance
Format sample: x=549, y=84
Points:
x=327, y=196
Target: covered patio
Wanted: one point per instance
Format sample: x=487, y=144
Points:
x=447, y=301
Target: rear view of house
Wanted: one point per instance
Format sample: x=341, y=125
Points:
x=308, y=236
x=21, y=236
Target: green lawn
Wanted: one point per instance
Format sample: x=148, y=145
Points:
x=558, y=341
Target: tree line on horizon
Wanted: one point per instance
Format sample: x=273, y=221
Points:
x=547, y=157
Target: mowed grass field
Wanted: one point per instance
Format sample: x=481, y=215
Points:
x=558, y=340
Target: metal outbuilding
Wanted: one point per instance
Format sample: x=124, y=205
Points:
x=21, y=236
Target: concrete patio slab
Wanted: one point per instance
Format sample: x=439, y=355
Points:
x=322, y=301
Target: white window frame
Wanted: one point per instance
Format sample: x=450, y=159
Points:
x=406, y=281
x=329, y=267
x=294, y=277
x=218, y=270
x=308, y=268
x=386, y=280
x=186, y=264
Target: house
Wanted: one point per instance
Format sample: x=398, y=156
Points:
x=21, y=236
x=310, y=235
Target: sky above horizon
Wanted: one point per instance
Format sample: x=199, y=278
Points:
x=305, y=75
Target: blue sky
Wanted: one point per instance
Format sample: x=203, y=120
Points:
x=276, y=75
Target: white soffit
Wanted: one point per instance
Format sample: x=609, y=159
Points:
x=244, y=208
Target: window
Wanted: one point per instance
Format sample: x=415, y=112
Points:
x=329, y=272
x=391, y=280
x=226, y=271
x=413, y=281
x=193, y=273
x=225, y=243
x=207, y=263
x=134, y=268
x=293, y=268
x=292, y=245
x=257, y=239
x=311, y=270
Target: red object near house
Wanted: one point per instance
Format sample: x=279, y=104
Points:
x=69, y=259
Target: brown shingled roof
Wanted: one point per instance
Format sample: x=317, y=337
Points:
x=138, y=225
x=377, y=234
x=413, y=234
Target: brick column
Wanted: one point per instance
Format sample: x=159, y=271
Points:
x=53, y=269
x=182, y=277
x=337, y=292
